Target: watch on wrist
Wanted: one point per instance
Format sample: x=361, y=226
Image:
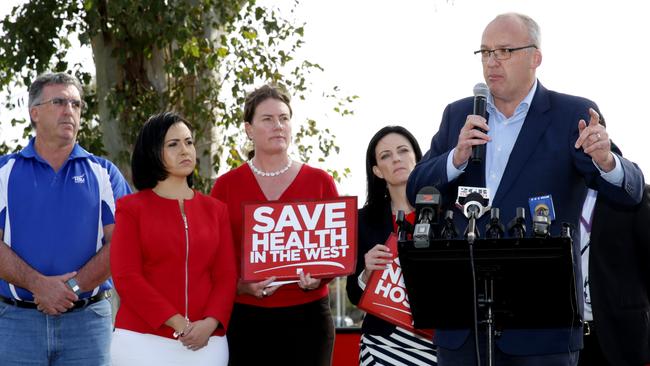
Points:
x=74, y=286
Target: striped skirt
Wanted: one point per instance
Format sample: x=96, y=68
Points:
x=399, y=348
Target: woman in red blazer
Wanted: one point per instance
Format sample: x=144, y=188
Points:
x=171, y=257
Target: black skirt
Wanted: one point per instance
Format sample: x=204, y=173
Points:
x=293, y=335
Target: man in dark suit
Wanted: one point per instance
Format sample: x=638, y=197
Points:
x=619, y=282
x=538, y=142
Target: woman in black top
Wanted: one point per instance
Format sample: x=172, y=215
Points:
x=391, y=156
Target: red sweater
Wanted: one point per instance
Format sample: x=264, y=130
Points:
x=239, y=186
x=148, y=254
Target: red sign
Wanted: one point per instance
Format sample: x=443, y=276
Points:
x=385, y=295
x=283, y=239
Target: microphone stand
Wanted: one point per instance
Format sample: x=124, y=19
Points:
x=488, y=302
x=471, y=230
x=473, y=209
x=493, y=230
x=471, y=235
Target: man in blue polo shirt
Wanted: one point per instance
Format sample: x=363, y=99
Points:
x=57, y=203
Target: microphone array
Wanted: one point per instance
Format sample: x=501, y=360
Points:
x=473, y=203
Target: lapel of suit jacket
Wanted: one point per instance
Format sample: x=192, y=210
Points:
x=534, y=127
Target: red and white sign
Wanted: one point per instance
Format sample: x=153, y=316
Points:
x=283, y=239
x=385, y=295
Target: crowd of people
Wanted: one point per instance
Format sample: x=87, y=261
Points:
x=71, y=229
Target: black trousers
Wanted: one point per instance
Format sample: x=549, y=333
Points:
x=591, y=353
x=294, y=335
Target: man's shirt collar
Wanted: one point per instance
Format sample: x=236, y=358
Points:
x=30, y=151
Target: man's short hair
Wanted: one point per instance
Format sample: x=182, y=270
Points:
x=43, y=80
x=534, y=32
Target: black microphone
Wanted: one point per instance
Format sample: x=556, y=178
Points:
x=427, y=202
x=404, y=228
x=567, y=230
x=494, y=229
x=479, y=194
x=473, y=209
x=517, y=226
x=473, y=201
x=481, y=92
x=449, y=231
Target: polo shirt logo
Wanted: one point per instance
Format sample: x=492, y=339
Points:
x=79, y=179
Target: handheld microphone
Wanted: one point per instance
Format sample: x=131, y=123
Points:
x=449, y=231
x=517, y=226
x=494, y=229
x=427, y=202
x=481, y=92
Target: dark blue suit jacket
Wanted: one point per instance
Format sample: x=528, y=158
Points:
x=543, y=161
x=619, y=280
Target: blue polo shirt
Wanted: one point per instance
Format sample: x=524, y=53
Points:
x=54, y=220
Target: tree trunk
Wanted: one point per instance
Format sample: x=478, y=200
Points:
x=110, y=74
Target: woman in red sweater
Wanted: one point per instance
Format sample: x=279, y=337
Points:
x=171, y=257
x=274, y=324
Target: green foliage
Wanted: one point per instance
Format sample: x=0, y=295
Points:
x=198, y=57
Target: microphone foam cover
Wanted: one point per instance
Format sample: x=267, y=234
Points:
x=481, y=90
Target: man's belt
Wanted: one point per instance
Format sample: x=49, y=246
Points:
x=79, y=304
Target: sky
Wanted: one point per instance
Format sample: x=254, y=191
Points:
x=406, y=62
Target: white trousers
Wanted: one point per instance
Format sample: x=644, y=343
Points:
x=130, y=348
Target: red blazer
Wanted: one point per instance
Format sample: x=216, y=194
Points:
x=148, y=261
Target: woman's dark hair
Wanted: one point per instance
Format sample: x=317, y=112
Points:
x=147, y=167
x=378, y=197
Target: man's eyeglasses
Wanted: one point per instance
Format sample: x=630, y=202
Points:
x=63, y=102
x=500, y=54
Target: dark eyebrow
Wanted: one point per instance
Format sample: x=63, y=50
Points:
x=271, y=115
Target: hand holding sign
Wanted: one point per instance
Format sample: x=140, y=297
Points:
x=377, y=259
x=257, y=289
x=385, y=294
x=307, y=283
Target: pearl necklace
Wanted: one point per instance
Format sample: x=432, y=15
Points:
x=269, y=174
